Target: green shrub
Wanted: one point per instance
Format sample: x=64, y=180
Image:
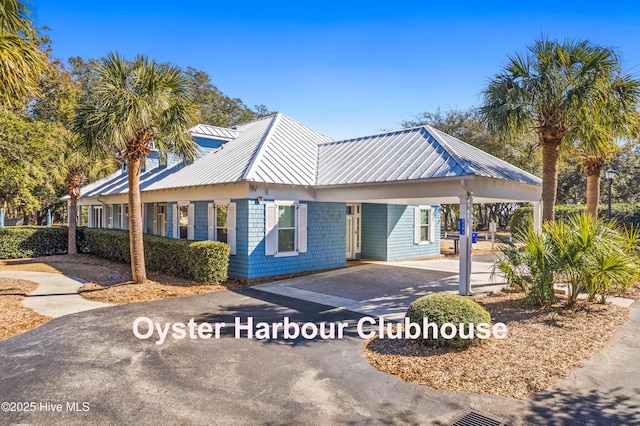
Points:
x=32, y=241
x=448, y=308
x=590, y=255
x=203, y=261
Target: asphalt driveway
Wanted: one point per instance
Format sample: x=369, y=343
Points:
x=93, y=359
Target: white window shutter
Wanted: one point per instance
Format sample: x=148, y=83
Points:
x=190, y=226
x=271, y=230
x=416, y=225
x=176, y=221
x=211, y=224
x=302, y=228
x=144, y=218
x=231, y=227
x=432, y=225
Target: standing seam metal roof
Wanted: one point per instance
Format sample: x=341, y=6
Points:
x=278, y=149
x=409, y=154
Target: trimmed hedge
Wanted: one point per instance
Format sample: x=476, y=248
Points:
x=32, y=241
x=623, y=214
x=448, y=308
x=202, y=261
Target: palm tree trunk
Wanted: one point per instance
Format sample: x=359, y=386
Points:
x=71, y=242
x=593, y=188
x=136, y=243
x=550, y=154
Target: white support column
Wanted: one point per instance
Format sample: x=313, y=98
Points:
x=537, y=216
x=90, y=217
x=466, y=213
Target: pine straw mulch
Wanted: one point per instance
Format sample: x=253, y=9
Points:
x=633, y=292
x=110, y=282
x=15, y=318
x=542, y=345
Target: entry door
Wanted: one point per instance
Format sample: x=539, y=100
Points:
x=353, y=230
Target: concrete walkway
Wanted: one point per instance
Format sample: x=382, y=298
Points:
x=384, y=288
x=56, y=294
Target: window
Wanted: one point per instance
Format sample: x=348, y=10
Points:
x=110, y=217
x=222, y=223
x=184, y=221
x=161, y=219
x=286, y=228
x=423, y=226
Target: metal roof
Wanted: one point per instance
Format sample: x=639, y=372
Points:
x=213, y=132
x=275, y=149
x=278, y=149
x=409, y=154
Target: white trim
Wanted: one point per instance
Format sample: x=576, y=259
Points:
x=301, y=228
x=176, y=221
x=211, y=221
x=231, y=228
x=191, y=213
x=271, y=229
x=417, y=234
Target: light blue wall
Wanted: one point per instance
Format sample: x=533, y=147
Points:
x=326, y=241
x=207, y=145
x=388, y=232
x=373, y=238
x=201, y=220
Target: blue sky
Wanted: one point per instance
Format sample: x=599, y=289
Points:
x=349, y=68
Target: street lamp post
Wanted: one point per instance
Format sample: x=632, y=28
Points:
x=610, y=174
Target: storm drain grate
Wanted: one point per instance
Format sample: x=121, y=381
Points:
x=474, y=418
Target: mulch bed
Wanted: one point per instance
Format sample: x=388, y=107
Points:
x=542, y=345
x=15, y=318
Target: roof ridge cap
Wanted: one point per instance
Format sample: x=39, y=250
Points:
x=450, y=150
x=263, y=143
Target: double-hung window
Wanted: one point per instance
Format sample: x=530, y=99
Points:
x=286, y=228
x=183, y=220
x=222, y=223
x=424, y=230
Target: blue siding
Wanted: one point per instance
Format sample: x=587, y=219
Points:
x=208, y=145
x=326, y=241
x=400, y=227
x=374, y=231
x=387, y=233
x=201, y=220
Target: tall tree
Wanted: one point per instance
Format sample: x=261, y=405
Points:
x=137, y=104
x=21, y=60
x=598, y=132
x=548, y=91
x=216, y=108
x=75, y=167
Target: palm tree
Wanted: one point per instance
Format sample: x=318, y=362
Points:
x=76, y=167
x=21, y=60
x=547, y=91
x=137, y=104
x=597, y=139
